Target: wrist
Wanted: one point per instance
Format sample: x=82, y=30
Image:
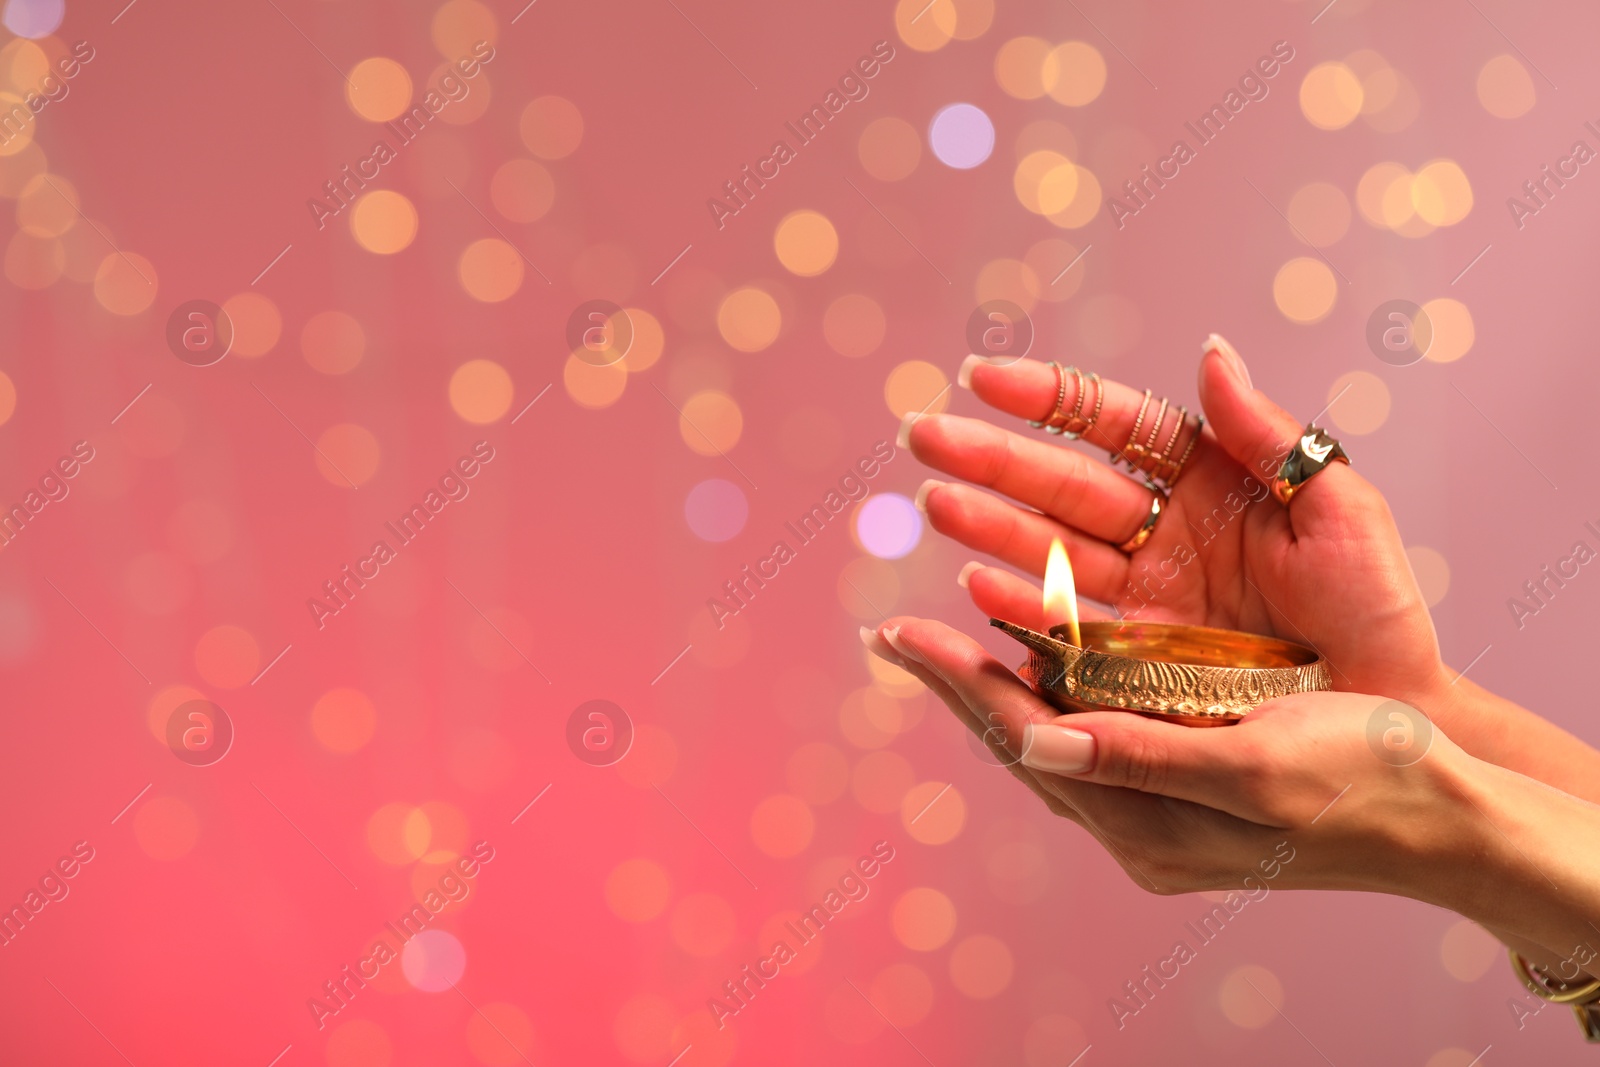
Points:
x=1514, y=862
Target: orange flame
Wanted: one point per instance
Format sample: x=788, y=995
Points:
x=1061, y=593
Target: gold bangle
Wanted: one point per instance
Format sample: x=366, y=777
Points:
x=1544, y=987
x=1584, y=1000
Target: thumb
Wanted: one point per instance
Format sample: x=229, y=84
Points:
x=1257, y=433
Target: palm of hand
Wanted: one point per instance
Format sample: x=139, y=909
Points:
x=1226, y=555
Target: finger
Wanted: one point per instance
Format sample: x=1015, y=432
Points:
x=1028, y=389
x=1061, y=482
x=987, y=524
x=878, y=646
x=982, y=683
x=1220, y=767
x=1258, y=434
x=1000, y=594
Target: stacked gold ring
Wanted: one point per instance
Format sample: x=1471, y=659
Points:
x=1072, y=425
x=1156, y=463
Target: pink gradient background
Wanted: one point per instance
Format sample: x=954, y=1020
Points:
x=194, y=139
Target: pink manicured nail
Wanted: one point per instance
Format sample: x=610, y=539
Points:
x=1057, y=749
x=1230, y=355
x=964, y=374
x=923, y=490
x=880, y=648
x=967, y=572
x=900, y=645
x=903, y=438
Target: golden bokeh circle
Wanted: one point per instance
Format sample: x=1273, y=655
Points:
x=1441, y=193
x=748, y=319
x=782, y=826
x=347, y=453
x=1085, y=203
x=916, y=385
x=551, y=127
x=710, y=422
x=981, y=966
x=637, y=890
x=125, y=283
x=1358, y=402
x=1453, y=331
x=227, y=656
x=1019, y=67
x=1505, y=89
x=933, y=813
x=889, y=149
x=522, y=190
x=333, y=342
x=1305, y=290
x=1073, y=73
x=490, y=270
x=459, y=25
x=481, y=391
x=1331, y=96
x=1045, y=182
x=378, y=89
x=923, y=919
x=925, y=25
x=1319, y=214
x=383, y=221
x=648, y=340
x=257, y=324
x=806, y=243
x=594, y=386
x=854, y=325
x=1250, y=997
x=343, y=720
x=47, y=206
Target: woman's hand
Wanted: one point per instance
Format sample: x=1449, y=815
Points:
x=1331, y=571
x=1297, y=792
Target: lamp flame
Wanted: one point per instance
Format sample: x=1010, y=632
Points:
x=1061, y=593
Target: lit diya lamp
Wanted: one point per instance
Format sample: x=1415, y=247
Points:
x=1194, y=675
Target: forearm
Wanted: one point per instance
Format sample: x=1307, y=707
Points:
x=1508, y=735
x=1526, y=865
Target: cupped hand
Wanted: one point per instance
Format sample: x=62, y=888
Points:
x=1295, y=787
x=1330, y=571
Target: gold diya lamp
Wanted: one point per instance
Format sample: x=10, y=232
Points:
x=1194, y=675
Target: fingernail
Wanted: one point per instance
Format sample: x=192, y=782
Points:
x=967, y=572
x=1230, y=355
x=903, y=438
x=879, y=647
x=921, y=499
x=900, y=645
x=1057, y=749
x=964, y=375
